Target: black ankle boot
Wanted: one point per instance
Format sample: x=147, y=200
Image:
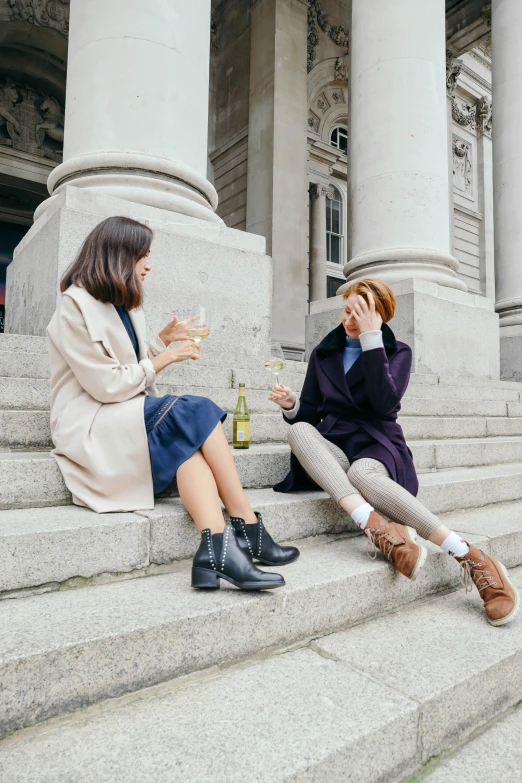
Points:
x=232, y=564
x=256, y=541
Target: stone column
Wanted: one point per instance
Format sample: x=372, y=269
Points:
x=277, y=177
x=507, y=180
x=399, y=151
x=318, y=196
x=136, y=114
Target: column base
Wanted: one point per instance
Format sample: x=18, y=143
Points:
x=451, y=333
x=396, y=264
x=144, y=179
x=511, y=352
x=194, y=263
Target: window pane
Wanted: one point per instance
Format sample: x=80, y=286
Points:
x=334, y=138
x=336, y=217
x=335, y=253
x=332, y=284
x=328, y=215
x=343, y=140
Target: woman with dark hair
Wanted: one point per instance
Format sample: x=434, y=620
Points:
x=345, y=438
x=117, y=442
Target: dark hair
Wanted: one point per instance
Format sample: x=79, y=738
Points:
x=106, y=263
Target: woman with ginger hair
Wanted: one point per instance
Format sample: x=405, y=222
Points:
x=345, y=438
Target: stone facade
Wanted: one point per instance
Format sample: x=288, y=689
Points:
x=343, y=167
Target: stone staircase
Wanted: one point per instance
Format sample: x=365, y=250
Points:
x=350, y=673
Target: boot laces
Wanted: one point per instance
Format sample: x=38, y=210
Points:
x=474, y=572
x=379, y=540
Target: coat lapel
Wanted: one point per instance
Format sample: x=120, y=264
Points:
x=138, y=321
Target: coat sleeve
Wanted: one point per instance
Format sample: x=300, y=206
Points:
x=310, y=398
x=100, y=374
x=386, y=380
x=155, y=347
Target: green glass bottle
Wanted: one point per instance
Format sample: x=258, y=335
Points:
x=241, y=426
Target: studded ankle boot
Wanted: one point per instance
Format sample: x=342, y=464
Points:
x=491, y=579
x=228, y=561
x=256, y=541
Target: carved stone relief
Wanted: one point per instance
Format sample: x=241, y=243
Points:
x=341, y=69
x=319, y=189
x=46, y=13
x=453, y=69
x=28, y=119
x=464, y=114
x=462, y=166
x=485, y=116
x=313, y=121
x=336, y=33
x=338, y=96
x=322, y=103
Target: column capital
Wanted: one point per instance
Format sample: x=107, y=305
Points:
x=453, y=69
x=320, y=189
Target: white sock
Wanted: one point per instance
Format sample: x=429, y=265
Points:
x=455, y=546
x=361, y=515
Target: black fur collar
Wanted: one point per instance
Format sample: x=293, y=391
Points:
x=335, y=341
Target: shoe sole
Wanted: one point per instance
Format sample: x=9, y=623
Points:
x=514, y=611
x=412, y=535
x=242, y=586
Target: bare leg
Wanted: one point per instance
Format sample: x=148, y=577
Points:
x=216, y=451
x=198, y=492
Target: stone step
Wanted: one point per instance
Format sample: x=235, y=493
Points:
x=33, y=479
x=30, y=429
x=497, y=746
x=465, y=452
x=69, y=649
x=43, y=547
x=312, y=713
x=450, y=392
x=33, y=394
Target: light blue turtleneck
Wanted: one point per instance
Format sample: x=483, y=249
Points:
x=351, y=353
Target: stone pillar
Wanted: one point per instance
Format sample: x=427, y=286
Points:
x=136, y=114
x=277, y=177
x=399, y=151
x=507, y=180
x=318, y=196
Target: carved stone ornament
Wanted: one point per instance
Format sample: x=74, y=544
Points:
x=336, y=33
x=453, y=69
x=464, y=114
x=313, y=121
x=485, y=46
x=319, y=189
x=462, y=165
x=341, y=69
x=338, y=96
x=322, y=103
x=29, y=118
x=45, y=13
x=485, y=116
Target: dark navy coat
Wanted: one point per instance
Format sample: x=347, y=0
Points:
x=358, y=410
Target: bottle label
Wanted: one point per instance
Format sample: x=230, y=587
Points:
x=242, y=433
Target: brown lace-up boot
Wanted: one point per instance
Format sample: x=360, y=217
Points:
x=500, y=598
x=397, y=544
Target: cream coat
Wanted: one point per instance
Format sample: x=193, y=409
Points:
x=97, y=399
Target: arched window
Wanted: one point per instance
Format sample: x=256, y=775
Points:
x=339, y=138
x=334, y=228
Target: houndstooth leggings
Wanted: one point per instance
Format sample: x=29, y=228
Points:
x=328, y=466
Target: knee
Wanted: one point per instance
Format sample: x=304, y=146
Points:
x=298, y=433
x=357, y=474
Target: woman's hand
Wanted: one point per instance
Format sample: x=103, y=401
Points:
x=283, y=396
x=187, y=350
x=364, y=313
x=176, y=331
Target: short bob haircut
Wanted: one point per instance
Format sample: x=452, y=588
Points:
x=106, y=263
x=385, y=301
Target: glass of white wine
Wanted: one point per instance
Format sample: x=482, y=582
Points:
x=200, y=329
x=275, y=360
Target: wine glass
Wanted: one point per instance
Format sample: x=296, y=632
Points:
x=275, y=360
x=200, y=329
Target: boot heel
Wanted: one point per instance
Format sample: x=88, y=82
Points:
x=203, y=578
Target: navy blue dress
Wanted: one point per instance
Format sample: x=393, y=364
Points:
x=176, y=426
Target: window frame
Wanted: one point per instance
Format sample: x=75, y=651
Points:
x=338, y=127
x=330, y=233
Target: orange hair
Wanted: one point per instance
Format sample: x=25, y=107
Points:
x=385, y=301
